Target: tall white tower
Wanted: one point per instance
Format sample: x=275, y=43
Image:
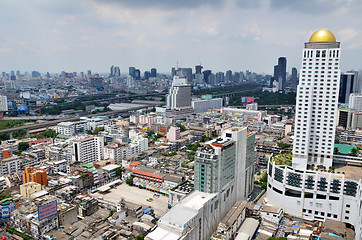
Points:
x=317, y=100
x=179, y=95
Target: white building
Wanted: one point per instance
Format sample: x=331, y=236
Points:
x=179, y=95
x=3, y=103
x=10, y=165
x=355, y=101
x=66, y=128
x=302, y=190
x=88, y=150
x=243, y=113
x=201, y=106
x=317, y=101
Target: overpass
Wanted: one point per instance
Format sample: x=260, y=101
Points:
x=45, y=125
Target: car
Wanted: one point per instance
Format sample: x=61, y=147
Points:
x=149, y=199
x=156, y=195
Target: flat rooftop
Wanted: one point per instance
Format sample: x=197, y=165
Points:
x=351, y=171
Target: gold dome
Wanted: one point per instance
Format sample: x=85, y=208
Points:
x=322, y=36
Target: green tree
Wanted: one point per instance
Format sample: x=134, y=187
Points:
x=119, y=172
x=336, y=150
x=182, y=127
x=140, y=237
x=129, y=181
x=283, y=145
x=354, y=152
x=23, y=146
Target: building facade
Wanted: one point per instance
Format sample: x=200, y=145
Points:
x=317, y=102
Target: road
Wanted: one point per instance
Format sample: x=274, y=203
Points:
x=55, y=122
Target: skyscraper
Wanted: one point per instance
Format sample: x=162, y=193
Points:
x=229, y=158
x=294, y=78
x=198, y=69
x=131, y=71
x=317, y=101
x=179, y=95
x=137, y=74
x=117, y=72
x=153, y=72
x=312, y=188
x=280, y=73
x=111, y=74
x=89, y=72
x=348, y=85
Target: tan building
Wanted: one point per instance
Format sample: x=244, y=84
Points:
x=27, y=189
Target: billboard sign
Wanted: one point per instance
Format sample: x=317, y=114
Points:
x=22, y=108
x=6, y=210
x=247, y=99
x=47, y=210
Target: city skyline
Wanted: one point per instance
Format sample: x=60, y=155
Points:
x=221, y=35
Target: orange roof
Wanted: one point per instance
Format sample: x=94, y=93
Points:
x=147, y=174
x=142, y=130
x=163, y=139
x=40, y=140
x=133, y=164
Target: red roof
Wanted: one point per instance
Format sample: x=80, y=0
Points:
x=133, y=164
x=147, y=174
x=40, y=140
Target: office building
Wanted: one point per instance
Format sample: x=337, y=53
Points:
x=179, y=95
x=89, y=72
x=37, y=175
x=3, y=103
x=223, y=159
x=316, y=105
x=348, y=85
x=294, y=78
x=137, y=74
x=66, y=128
x=306, y=189
x=173, y=72
x=228, y=76
x=131, y=71
x=201, y=106
x=146, y=75
x=88, y=150
x=223, y=175
x=153, y=72
x=355, y=101
x=280, y=73
x=198, y=69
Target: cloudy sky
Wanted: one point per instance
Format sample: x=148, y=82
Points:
x=76, y=35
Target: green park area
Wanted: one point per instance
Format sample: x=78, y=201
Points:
x=283, y=159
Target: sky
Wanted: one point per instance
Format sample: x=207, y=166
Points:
x=77, y=35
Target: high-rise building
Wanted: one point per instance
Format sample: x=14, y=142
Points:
x=312, y=188
x=18, y=73
x=228, y=76
x=146, y=75
x=198, y=69
x=179, y=95
x=280, y=73
x=223, y=175
x=153, y=72
x=317, y=102
x=88, y=150
x=348, y=85
x=173, y=72
x=228, y=158
x=4, y=103
x=206, y=75
x=137, y=74
x=131, y=71
x=355, y=101
x=111, y=74
x=89, y=72
x=117, y=72
x=294, y=78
